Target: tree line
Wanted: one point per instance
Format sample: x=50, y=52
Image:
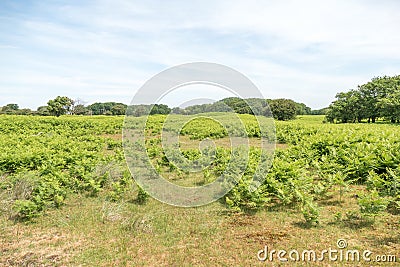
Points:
x=281, y=109
x=63, y=105
x=379, y=98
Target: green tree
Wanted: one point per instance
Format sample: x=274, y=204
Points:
x=80, y=110
x=302, y=109
x=24, y=111
x=96, y=108
x=109, y=108
x=347, y=108
x=60, y=105
x=118, y=109
x=43, y=111
x=239, y=105
x=376, y=91
x=9, y=108
x=160, y=109
x=378, y=98
x=283, y=109
x=390, y=106
x=177, y=110
x=258, y=105
x=322, y=111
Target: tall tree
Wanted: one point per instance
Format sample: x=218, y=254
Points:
x=378, y=98
x=118, y=109
x=60, y=105
x=160, y=109
x=390, y=106
x=79, y=110
x=43, y=111
x=107, y=108
x=283, y=109
x=10, y=109
x=302, y=109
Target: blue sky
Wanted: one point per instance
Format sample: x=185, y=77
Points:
x=105, y=50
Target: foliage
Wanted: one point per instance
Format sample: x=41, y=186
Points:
x=79, y=110
x=160, y=109
x=9, y=108
x=13, y=109
x=61, y=105
x=48, y=158
x=338, y=155
x=371, y=204
x=142, y=196
x=379, y=98
x=310, y=212
x=43, y=111
x=302, y=109
x=201, y=128
x=283, y=109
x=141, y=110
x=64, y=105
x=107, y=108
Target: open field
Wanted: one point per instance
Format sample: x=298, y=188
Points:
x=67, y=197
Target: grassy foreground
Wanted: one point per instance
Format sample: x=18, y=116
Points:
x=94, y=232
x=77, y=219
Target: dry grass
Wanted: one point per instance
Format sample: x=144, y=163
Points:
x=93, y=232
x=26, y=245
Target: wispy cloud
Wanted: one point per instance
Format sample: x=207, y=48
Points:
x=105, y=50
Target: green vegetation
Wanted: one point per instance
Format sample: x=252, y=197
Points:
x=141, y=110
x=64, y=179
x=61, y=105
x=285, y=109
x=281, y=109
x=108, y=108
x=53, y=157
x=379, y=98
x=321, y=158
x=67, y=175
x=43, y=159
